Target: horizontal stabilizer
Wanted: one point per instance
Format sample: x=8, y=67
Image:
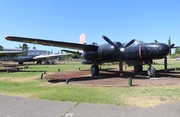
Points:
x=10, y=53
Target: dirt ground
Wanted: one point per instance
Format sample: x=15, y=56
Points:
x=111, y=78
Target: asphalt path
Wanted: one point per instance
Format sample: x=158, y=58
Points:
x=11, y=106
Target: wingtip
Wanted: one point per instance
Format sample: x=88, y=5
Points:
x=8, y=38
x=103, y=36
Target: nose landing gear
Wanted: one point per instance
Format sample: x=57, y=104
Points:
x=151, y=71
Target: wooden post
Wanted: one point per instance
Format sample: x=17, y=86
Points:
x=41, y=76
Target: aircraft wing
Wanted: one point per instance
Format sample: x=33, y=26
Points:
x=50, y=55
x=69, y=51
x=53, y=43
x=6, y=53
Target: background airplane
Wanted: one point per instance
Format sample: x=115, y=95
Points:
x=134, y=53
x=13, y=53
x=32, y=55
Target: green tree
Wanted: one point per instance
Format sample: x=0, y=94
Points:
x=20, y=47
x=75, y=56
x=177, y=51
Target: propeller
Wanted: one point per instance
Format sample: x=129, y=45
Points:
x=120, y=49
x=130, y=43
x=172, y=45
x=165, y=63
x=165, y=58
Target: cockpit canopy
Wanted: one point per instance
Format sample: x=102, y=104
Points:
x=136, y=42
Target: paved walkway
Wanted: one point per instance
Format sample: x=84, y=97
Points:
x=27, y=107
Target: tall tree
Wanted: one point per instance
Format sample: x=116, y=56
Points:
x=169, y=43
x=20, y=47
x=177, y=51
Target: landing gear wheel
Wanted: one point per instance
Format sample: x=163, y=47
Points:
x=39, y=62
x=94, y=70
x=20, y=63
x=151, y=71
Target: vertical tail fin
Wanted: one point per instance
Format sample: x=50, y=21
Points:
x=82, y=40
x=1, y=48
x=25, y=49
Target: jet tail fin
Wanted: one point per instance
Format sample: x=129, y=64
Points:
x=25, y=49
x=1, y=48
x=82, y=40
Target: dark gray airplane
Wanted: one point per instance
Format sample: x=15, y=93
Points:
x=134, y=53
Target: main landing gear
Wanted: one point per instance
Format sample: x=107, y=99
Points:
x=39, y=62
x=20, y=63
x=94, y=70
x=138, y=68
x=151, y=71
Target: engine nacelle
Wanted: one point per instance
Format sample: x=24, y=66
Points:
x=89, y=55
x=107, y=51
x=86, y=62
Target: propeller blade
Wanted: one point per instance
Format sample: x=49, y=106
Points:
x=109, y=41
x=165, y=63
x=155, y=40
x=119, y=51
x=120, y=65
x=131, y=42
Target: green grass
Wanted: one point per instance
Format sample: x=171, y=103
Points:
x=102, y=95
x=34, y=70
x=28, y=84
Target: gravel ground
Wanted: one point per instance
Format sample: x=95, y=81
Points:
x=110, y=78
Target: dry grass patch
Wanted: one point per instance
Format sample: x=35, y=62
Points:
x=27, y=79
x=148, y=101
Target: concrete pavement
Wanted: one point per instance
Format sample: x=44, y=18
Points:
x=11, y=106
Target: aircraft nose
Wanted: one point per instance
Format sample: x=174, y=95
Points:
x=161, y=50
x=164, y=49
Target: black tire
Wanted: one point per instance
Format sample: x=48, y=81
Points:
x=20, y=63
x=39, y=62
x=151, y=71
x=94, y=70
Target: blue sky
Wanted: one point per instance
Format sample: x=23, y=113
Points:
x=65, y=20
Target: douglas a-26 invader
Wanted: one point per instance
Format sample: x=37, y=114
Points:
x=134, y=53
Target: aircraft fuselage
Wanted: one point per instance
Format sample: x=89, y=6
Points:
x=140, y=52
x=21, y=58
